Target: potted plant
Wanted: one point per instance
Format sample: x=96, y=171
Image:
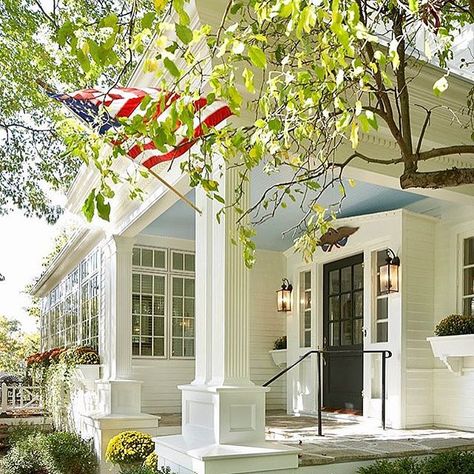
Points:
x=279, y=351
x=453, y=340
x=129, y=449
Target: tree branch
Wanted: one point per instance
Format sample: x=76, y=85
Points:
x=445, y=151
x=437, y=179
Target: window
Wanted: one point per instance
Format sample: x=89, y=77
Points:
x=70, y=313
x=182, y=316
x=305, y=309
x=182, y=261
x=163, y=303
x=468, y=277
x=148, y=314
x=381, y=303
x=149, y=258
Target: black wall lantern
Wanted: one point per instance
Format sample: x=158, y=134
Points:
x=284, y=296
x=388, y=274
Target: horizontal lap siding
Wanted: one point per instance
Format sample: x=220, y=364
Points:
x=454, y=399
x=266, y=324
x=418, y=269
x=161, y=377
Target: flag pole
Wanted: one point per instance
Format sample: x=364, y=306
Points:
x=46, y=87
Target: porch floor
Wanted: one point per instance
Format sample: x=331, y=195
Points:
x=350, y=438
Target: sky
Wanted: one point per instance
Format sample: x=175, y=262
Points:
x=23, y=244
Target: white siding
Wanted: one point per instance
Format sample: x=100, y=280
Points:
x=266, y=324
x=418, y=269
x=161, y=377
x=453, y=395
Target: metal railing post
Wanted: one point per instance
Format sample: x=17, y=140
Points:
x=320, y=423
x=384, y=360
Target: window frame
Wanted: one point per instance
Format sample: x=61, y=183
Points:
x=169, y=273
x=301, y=313
x=376, y=297
x=462, y=271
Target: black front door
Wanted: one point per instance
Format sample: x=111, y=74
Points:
x=343, y=289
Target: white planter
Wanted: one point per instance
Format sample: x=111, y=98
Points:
x=452, y=349
x=87, y=371
x=279, y=357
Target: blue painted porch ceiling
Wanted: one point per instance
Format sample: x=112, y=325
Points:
x=361, y=199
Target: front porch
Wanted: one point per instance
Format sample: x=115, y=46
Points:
x=348, y=442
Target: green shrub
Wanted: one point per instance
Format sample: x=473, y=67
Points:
x=24, y=458
x=20, y=432
x=129, y=447
x=53, y=453
x=399, y=466
x=139, y=470
x=454, y=325
x=450, y=462
x=68, y=453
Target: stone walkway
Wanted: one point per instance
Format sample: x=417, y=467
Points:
x=350, y=438
x=347, y=439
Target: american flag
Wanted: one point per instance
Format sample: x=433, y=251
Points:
x=100, y=108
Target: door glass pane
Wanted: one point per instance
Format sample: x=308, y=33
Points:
x=189, y=287
x=177, y=347
x=307, y=338
x=334, y=282
x=158, y=347
x=159, y=305
x=135, y=283
x=334, y=334
x=146, y=304
x=469, y=281
x=346, y=333
x=159, y=326
x=382, y=331
x=177, y=287
x=188, y=348
x=147, y=282
x=382, y=308
x=159, y=288
x=146, y=326
x=177, y=327
x=346, y=279
x=334, y=310
x=358, y=277
x=358, y=331
x=358, y=304
x=346, y=306
x=469, y=251
x=468, y=305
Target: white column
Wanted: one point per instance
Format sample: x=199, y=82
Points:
x=222, y=406
x=120, y=393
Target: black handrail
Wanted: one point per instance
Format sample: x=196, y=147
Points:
x=384, y=353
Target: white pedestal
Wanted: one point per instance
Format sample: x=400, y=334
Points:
x=223, y=431
x=122, y=396
x=103, y=428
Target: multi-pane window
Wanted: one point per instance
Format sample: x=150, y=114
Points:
x=305, y=309
x=380, y=303
x=149, y=258
x=148, y=314
x=163, y=303
x=182, y=316
x=70, y=313
x=182, y=261
x=468, y=277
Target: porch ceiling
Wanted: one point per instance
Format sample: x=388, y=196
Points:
x=363, y=198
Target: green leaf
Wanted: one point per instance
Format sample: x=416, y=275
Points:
x=257, y=57
x=172, y=68
x=147, y=20
x=88, y=207
x=440, y=86
x=103, y=208
x=184, y=33
x=413, y=5
x=248, y=78
x=372, y=119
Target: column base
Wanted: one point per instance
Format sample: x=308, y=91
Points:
x=223, y=414
x=194, y=457
x=121, y=397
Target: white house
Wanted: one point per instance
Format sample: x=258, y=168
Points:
x=182, y=326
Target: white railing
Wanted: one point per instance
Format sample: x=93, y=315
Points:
x=14, y=397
